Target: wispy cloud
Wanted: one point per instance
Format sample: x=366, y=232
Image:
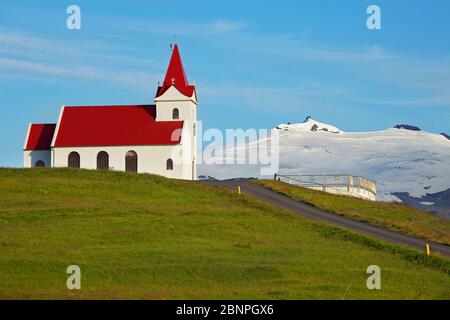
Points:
x=227, y=26
x=180, y=28
x=438, y=101
x=27, y=56
x=265, y=97
x=426, y=79
x=16, y=43
x=306, y=51
x=234, y=35
x=43, y=71
x=431, y=74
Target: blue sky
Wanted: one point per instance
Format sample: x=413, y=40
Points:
x=255, y=63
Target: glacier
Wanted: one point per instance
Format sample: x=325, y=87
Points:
x=398, y=160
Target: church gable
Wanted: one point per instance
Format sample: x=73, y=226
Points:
x=173, y=94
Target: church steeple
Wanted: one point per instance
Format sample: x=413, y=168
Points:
x=176, y=100
x=176, y=76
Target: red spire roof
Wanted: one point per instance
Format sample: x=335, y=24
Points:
x=175, y=76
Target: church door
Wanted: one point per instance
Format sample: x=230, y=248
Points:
x=102, y=161
x=74, y=160
x=131, y=161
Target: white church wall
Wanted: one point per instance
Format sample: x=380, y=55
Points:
x=30, y=157
x=189, y=144
x=151, y=159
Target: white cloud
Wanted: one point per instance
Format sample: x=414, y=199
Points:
x=33, y=56
x=35, y=70
x=30, y=57
x=266, y=97
x=15, y=43
x=227, y=26
x=436, y=101
x=288, y=46
x=179, y=28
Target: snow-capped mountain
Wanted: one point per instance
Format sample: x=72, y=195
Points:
x=308, y=125
x=399, y=160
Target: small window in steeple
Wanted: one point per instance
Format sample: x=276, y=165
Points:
x=175, y=114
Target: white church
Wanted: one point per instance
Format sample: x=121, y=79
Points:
x=158, y=138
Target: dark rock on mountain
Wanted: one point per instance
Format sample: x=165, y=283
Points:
x=437, y=203
x=315, y=127
x=407, y=127
x=203, y=177
x=446, y=135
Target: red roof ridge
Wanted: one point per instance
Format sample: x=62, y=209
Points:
x=112, y=105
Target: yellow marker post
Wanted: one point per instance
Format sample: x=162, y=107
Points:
x=428, y=249
x=239, y=190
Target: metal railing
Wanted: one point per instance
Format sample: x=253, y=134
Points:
x=335, y=183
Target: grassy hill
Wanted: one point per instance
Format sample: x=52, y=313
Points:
x=141, y=236
x=395, y=216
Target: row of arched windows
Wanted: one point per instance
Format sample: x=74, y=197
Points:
x=131, y=161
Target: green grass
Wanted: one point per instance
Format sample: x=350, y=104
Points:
x=146, y=237
x=393, y=216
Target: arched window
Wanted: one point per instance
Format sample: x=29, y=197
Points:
x=131, y=161
x=102, y=161
x=74, y=160
x=175, y=114
x=169, y=164
x=39, y=163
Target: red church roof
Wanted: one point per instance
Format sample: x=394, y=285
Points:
x=175, y=76
x=88, y=126
x=40, y=136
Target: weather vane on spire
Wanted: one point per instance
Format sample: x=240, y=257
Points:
x=174, y=42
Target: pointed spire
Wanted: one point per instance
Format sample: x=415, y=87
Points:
x=175, y=76
x=175, y=72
